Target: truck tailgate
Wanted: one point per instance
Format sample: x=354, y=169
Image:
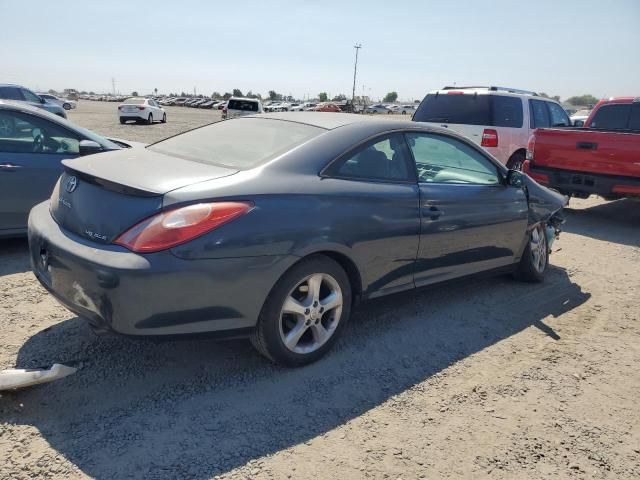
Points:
x=591, y=151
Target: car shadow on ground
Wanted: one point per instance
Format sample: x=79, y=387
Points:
x=617, y=222
x=14, y=256
x=196, y=408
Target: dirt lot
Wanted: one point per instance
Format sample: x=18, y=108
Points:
x=485, y=379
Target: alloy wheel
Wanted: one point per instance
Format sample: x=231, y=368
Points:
x=311, y=313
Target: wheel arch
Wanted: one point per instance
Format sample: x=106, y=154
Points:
x=520, y=151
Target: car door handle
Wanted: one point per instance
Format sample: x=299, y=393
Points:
x=9, y=167
x=432, y=212
x=586, y=146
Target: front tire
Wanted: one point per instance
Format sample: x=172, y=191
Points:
x=66, y=106
x=535, y=257
x=304, y=313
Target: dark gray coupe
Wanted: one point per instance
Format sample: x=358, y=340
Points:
x=273, y=226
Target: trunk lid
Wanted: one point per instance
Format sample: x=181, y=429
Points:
x=100, y=196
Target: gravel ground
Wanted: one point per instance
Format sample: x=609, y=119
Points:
x=483, y=379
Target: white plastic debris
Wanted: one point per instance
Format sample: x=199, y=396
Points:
x=19, y=378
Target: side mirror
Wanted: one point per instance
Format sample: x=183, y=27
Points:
x=515, y=178
x=87, y=147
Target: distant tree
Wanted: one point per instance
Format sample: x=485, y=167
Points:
x=155, y=90
x=227, y=96
x=92, y=93
x=237, y=92
x=216, y=95
x=416, y=101
x=83, y=92
x=390, y=97
x=323, y=97
x=339, y=98
x=52, y=91
x=273, y=95
x=582, y=100
x=134, y=94
x=556, y=98
x=250, y=94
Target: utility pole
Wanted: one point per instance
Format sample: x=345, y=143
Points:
x=357, y=46
x=113, y=85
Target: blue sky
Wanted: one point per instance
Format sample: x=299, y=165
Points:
x=301, y=48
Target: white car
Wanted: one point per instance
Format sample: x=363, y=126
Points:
x=239, y=106
x=578, y=118
x=379, y=108
x=499, y=119
x=408, y=109
x=302, y=107
x=63, y=102
x=141, y=109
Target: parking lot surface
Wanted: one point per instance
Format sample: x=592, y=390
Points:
x=479, y=379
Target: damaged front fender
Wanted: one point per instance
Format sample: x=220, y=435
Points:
x=545, y=205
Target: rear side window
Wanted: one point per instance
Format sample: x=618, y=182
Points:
x=244, y=105
x=507, y=111
x=454, y=108
x=11, y=93
x=612, y=117
x=384, y=158
x=539, y=116
x=242, y=143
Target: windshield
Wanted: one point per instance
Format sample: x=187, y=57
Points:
x=241, y=143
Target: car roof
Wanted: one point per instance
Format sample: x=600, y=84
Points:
x=23, y=106
x=486, y=90
x=10, y=85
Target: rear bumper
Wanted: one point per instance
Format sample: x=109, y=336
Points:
x=583, y=183
x=154, y=294
x=133, y=116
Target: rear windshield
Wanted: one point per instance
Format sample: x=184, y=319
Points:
x=469, y=109
x=241, y=143
x=612, y=117
x=245, y=105
x=135, y=101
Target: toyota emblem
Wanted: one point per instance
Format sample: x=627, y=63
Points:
x=72, y=183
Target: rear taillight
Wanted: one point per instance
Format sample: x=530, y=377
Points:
x=174, y=227
x=120, y=107
x=141, y=108
x=531, y=146
x=489, y=138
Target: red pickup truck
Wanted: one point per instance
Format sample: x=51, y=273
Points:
x=601, y=158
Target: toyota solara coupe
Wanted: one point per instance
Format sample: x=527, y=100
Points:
x=273, y=226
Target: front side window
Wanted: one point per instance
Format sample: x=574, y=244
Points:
x=557, y=115
x=539, y=116
x=612, y=117
x=20, y=133
x=384, y=158
x=440, y=159
x=30, y=97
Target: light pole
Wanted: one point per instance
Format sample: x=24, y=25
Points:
x=357, y=46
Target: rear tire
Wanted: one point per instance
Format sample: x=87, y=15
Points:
x=150, y=119
x=535, y=257
x=123, y=121
x=516, y=161
x=164, y=118
x=66, y=106
x=313, y=329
